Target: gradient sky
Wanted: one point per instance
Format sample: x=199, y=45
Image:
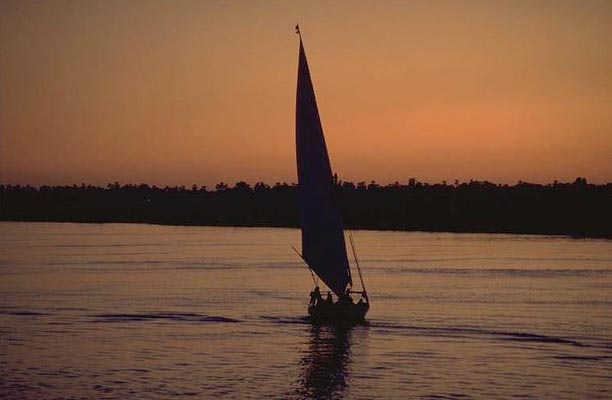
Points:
x=183, y=92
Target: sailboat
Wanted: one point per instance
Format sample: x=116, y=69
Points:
x=323, y=243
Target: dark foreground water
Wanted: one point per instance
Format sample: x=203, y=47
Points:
x=137, y=311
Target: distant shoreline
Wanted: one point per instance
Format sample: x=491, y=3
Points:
x=560, y=235
x=578, y=209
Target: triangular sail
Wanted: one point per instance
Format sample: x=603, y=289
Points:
x=323, y=246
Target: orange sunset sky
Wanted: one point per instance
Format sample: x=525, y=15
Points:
x=184, y=92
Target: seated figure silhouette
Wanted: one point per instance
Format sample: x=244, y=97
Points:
x=346, y=298
x=315, y=296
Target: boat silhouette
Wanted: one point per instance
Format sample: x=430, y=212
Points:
x=323, y=243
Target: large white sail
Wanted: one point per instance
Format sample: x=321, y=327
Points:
x=323, y=246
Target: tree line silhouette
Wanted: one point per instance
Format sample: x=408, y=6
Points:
x=577, y=209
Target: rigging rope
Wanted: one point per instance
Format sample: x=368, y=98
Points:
x=315, y=279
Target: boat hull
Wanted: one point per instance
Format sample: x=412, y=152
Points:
x=348, y=313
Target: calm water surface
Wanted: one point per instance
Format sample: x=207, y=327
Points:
x=119, y=311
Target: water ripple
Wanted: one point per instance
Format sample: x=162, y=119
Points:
x=172, y=316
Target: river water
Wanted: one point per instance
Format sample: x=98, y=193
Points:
x=128, y=311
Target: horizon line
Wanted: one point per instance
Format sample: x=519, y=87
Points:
x=409, y=182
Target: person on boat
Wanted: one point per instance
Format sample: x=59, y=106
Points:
x=329, y=299
x=363, y=299
x=315, y=296
x=346, y=297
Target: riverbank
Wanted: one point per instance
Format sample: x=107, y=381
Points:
x=575, y=209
